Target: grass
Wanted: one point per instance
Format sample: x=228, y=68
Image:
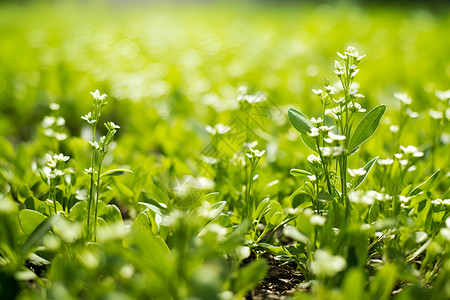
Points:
x=215, y=108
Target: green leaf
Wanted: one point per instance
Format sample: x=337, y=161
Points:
x=425, y=186
x=115, y=172
x=383, y=282
x=249, y=276
x=30, y=219
x=357, y=180
x=38, y=232
x=366, y=127
x=300, y=199
x=299, y=172
x=24, y=193
x=303, y=125
x=293, y=233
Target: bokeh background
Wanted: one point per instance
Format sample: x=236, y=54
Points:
x=170, y=68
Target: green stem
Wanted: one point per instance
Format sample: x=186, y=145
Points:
x=91, y=188
x=100, y=159
x=53, y=195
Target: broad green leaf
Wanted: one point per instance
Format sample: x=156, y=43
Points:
x=310, y=142
x=300, y=121
x=301, y=199
x=299, y=172
x=216, y=209
x=425, y=186
x=303, y=125
x=354, y=284
x=38, y=232
x=274, y=208
x=356, y=181
x=262, y=208
x=383, y=282
x=115, y=172
x=366, y=127
x=24, y=193
x=30, y=219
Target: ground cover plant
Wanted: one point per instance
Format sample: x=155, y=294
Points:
x=238, y=170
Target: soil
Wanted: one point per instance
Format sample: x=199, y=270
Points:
x=281, y=281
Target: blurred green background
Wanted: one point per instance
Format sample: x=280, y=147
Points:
x=170, y=69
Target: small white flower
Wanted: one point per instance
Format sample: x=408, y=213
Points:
x=251, y=144
x=394, y=128
x=326, y=151
x=61, y=157
x=317, y=92
x=48, y=121
x=412, y=114
x=385, y=162
x=337, y=65
x=313, y=159
x=403, y=97
x=336, y=137
x=404, y=199
x=314, y=132
x=97, y=95
x=312, y=177
x=331, y=90
x=256, y=153
x=316, y=121
x=435, y=114
x=357, y=172
x=338, y=151
x=326, y=128
x=317, y=220
x=443, y=95
x=54, y=106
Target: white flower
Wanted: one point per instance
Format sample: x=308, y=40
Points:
x=313, y=159
x=331, y=90
x=251, y=144
x=394, y=128
x=314, y=132
x=336, y=137
x=54, y=106
x=385, y=162
x=326, y=151
x=404, y=199
x=326, y=128
x=359, y=197
x=411, y=150
x=357, y=172
x=317, y=220
x=443, y=95
x=61, y=157
x=435, y=114
x=338, y=151
x=48, y=121
x=412, y=114
x=337, y=65
x=255, y=153
x=316, y=121
x=403, y=97
x=317, y=92
x=312, y=177
x=327, y=265
x=97, y=95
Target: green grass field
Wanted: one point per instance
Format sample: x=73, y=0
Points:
x=213, y=192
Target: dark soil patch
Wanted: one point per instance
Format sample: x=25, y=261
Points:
x=282, y=280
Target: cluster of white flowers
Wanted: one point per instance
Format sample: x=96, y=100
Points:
x=357, y=172
x=411, y=151
x=53, y=125
x=52, y=168
x=445, y=202
x=369, y=197
x=254, y=153
x=243, y=96
x=403, y=98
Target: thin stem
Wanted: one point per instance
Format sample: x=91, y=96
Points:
x=91, y=188
x=53, y=195
x=100, y=159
